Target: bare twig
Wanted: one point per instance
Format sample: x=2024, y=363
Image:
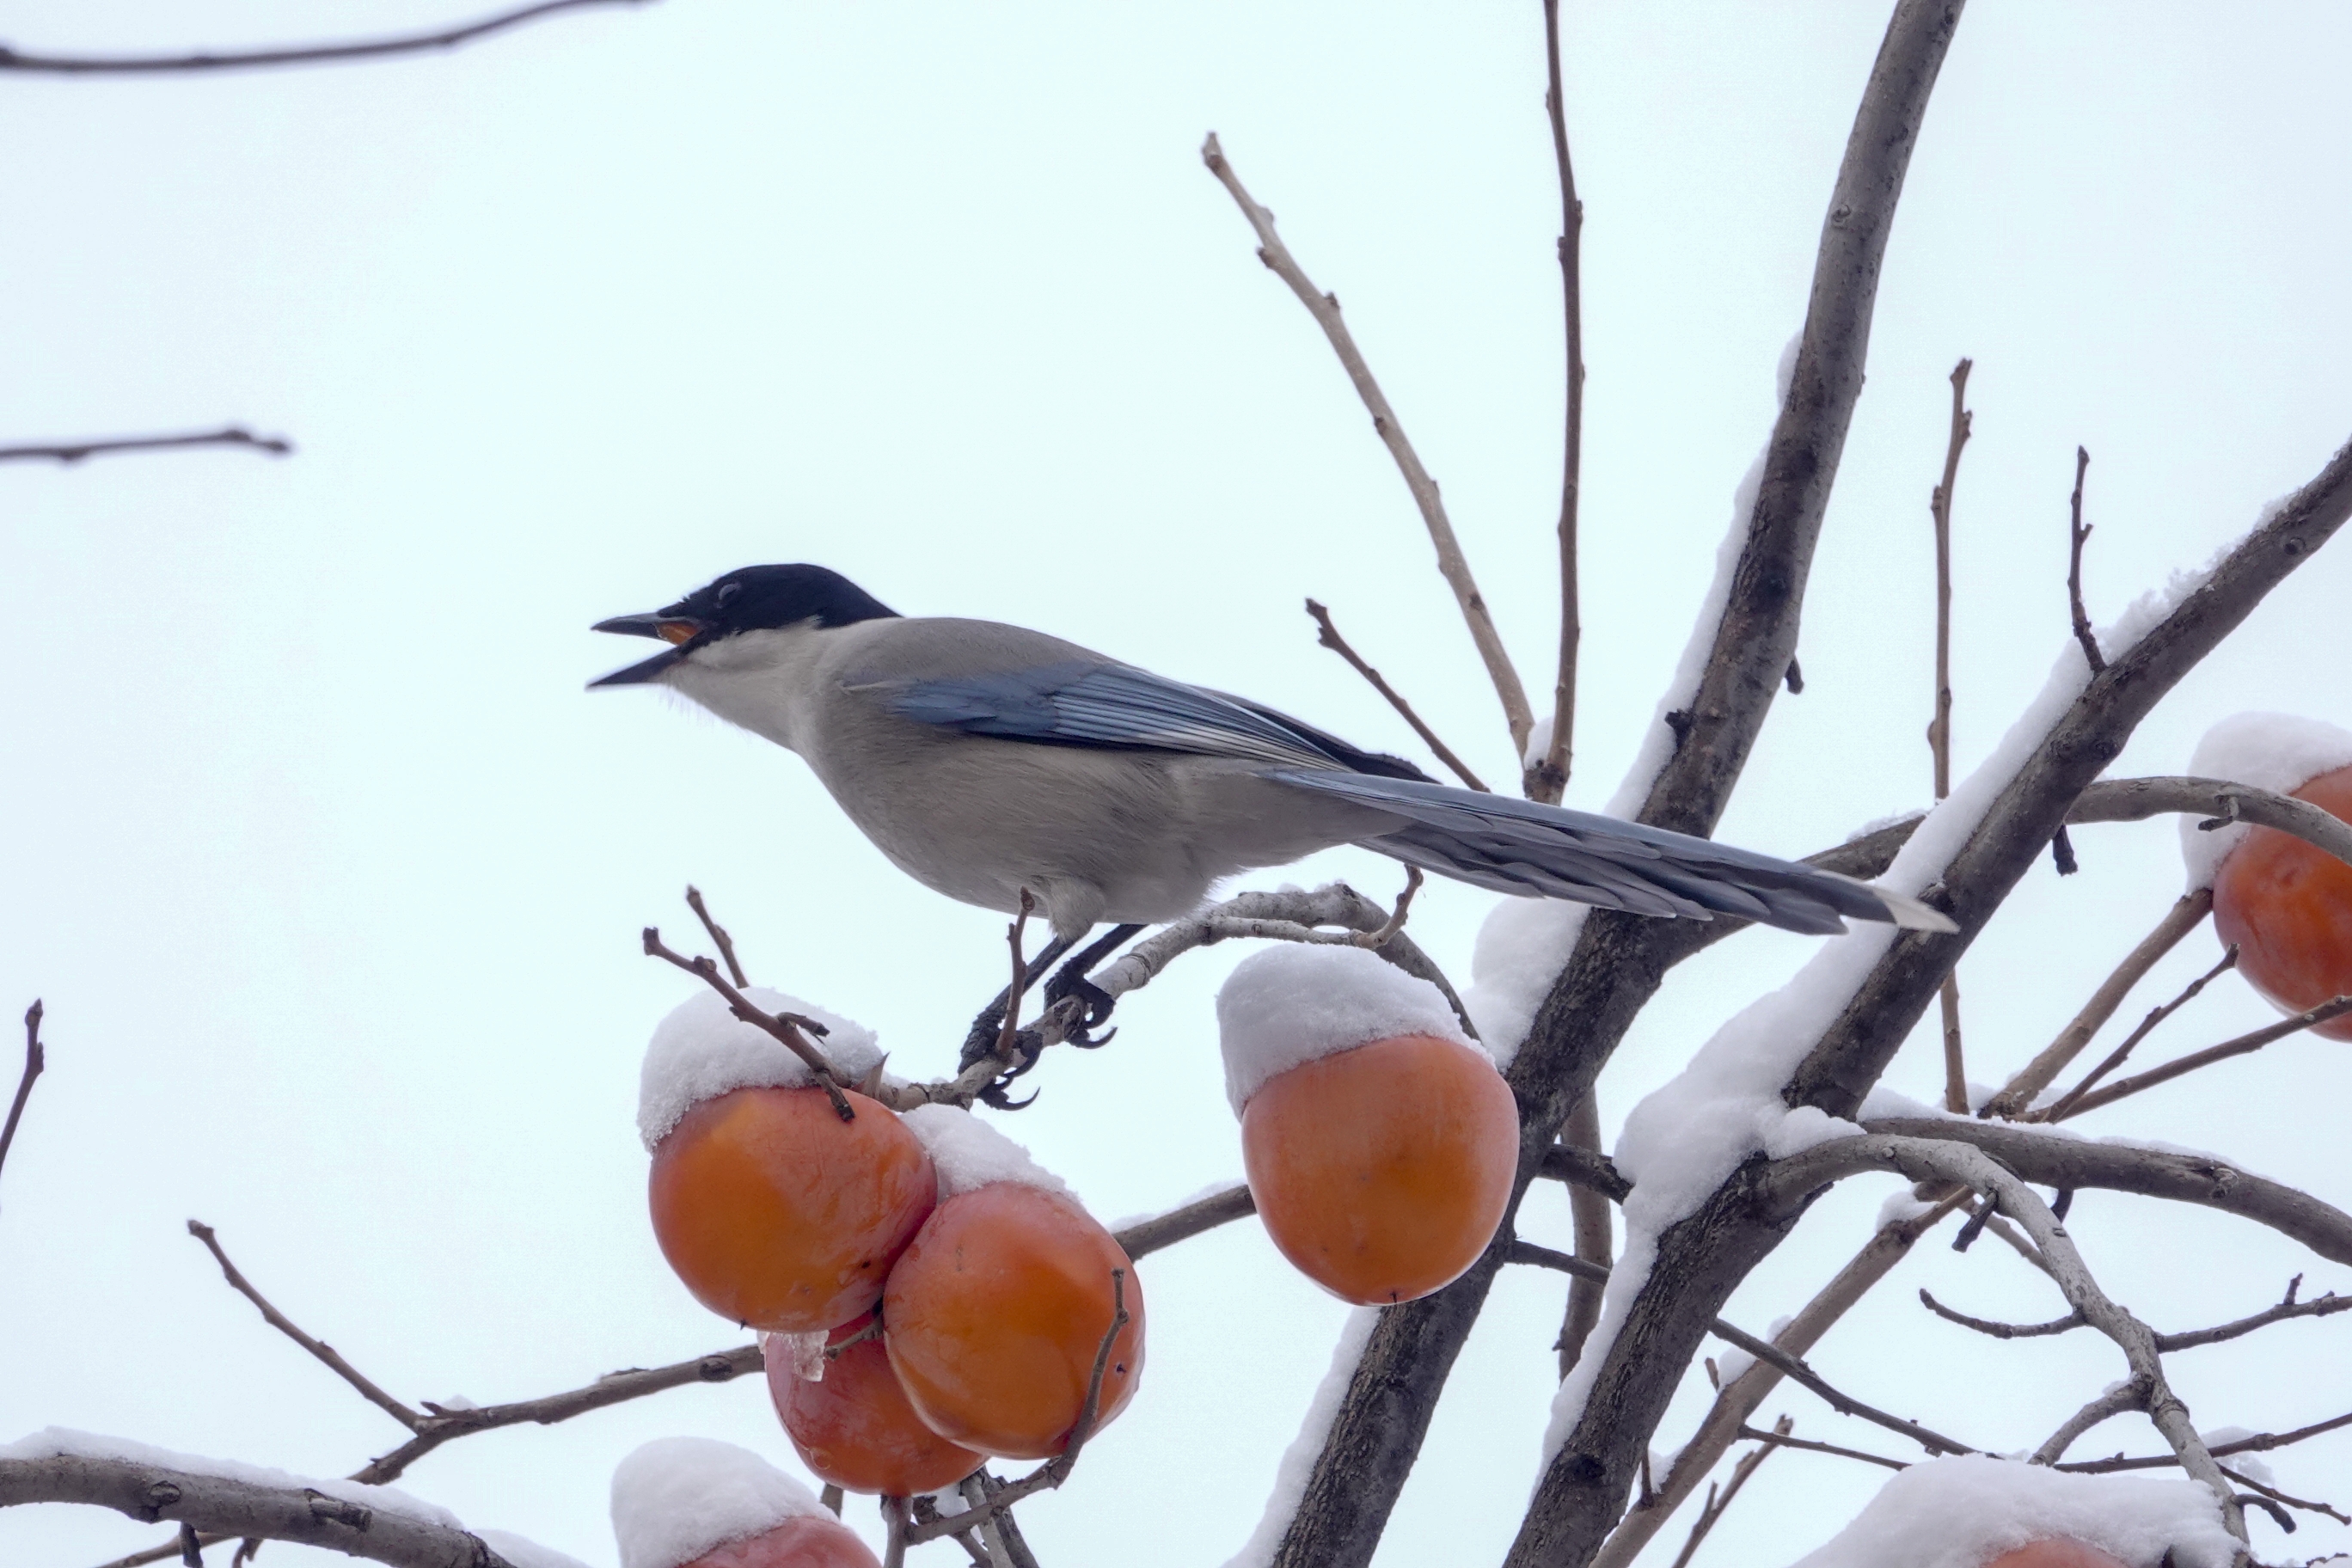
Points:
x=2002, y=1330
x=1929, y=1159
x=2043, y=1069
x=1790, y=1366
x=70, y=452
x=1939, y=727
x=1451, y=563
x=719, y=937
x=1716, y=1505
x=2260, y=1443
x=2063, y=1106
x=1594, y=1229
x=2116, y=1401
x=2244, y=1045
x=1547, y=778
x=308, y=53
x=2264, y=1489
x=2078, y=535
x=1939, y=509
x=325, y=1352
x=1327, y=636
x=786, y=1027
x=999, y=1533
x=1781, y=1440
x=1395, y=922
x=894, y=1532
x=35, y=1058
x=1055, y=1470
x=1147, y=1236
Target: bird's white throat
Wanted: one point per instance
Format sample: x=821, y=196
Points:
x=763, y=680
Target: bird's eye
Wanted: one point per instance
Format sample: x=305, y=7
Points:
x=718, y=601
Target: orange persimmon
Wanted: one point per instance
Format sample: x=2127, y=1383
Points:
x=2287, y=905
x=2056, y=1553
x=779, y=1215
x=993, y=1317
x=1381, y=1171
x=854, y=1429
x=810, y=1541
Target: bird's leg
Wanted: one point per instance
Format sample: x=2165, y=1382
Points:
x=1071, y=979
x=981, y=1041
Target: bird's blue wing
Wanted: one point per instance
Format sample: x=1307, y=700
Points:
x=1117, y=706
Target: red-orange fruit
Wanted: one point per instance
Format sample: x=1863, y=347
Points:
x=854, y=1429
x=779, y=1215
x=1381, y=1172
x=2288, y=906
x=2056, y=1553
x=805, y=1540
x=995, y=1313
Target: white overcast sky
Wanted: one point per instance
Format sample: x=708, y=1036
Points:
x=332, y=876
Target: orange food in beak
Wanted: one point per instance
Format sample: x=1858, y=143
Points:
x=675, y=631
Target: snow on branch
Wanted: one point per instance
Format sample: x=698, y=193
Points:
x=375, y=1523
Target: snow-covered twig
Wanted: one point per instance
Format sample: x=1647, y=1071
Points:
x=1289, y=916
x=1327, y=636
x=70, y=452
x=1547, y=777
x=35, y=1058
x=366, y=1387
x=1451, y=563
x=227, y=1506
x=309, y=53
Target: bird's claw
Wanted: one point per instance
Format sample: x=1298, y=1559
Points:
x=1095, y=1012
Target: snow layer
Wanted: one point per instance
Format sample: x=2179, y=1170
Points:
x=2277, y=751
x=701, y=1049
x=62, y=1442
x=1682, y=1141
x=677, y=1498
x=1298, y=1459
x=968, y=1152
x=1962, y=1512
x=1289, y=1004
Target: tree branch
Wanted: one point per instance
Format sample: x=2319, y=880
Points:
x=2260, y=1443
x=2078, y=535
x=1617, y=965
x=1715, y=1506
x=73, y=452
x=304, y=54
x=1451, y=563
x=222, y=1506
x=35, y=1058
x=324, y=1352
x=786, y=1027
x=1547, y=778
x=2063, y=1106
x=2244, y=1045
x=1327, y=636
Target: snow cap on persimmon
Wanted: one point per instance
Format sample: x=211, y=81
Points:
x=2277, y=752
x=1288, y=1004
x=969, y=1153
x=702, y=1050
x=677, y=1498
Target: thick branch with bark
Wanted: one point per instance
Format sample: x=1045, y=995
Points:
x=220, y=1506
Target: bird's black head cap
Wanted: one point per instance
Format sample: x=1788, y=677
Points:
x=760, y=598
x=747, y=599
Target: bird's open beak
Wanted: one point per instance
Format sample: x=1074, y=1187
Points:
x=676, y=630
